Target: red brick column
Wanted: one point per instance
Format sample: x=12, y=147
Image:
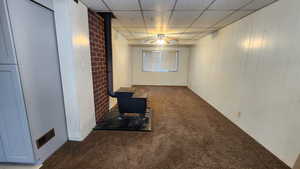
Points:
x=99, y=67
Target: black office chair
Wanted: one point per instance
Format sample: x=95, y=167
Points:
x=131, y=102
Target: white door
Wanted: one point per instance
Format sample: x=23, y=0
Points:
x=2, y=155
x=7, y=53
x=14, y=130
x=35, y=42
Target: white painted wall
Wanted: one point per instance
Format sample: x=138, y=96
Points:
x=121, y=63
x=253, y=67
x=74, y=52
x=159, y=78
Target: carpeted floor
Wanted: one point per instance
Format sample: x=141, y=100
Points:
x=187, y=134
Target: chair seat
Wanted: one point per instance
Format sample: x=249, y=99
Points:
x=140, y=95
x=126, y=89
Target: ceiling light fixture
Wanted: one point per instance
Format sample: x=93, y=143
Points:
x=160, y=42
x=161, y=39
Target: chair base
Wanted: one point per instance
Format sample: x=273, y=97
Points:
x=113, y=120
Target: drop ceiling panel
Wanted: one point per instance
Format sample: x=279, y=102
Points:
x=121, y=29
x=157, y=5
x=123, y=4
x=184, y=36
x=201, y=35
x=229, y=4
x=96, y=5
x=181, y=30
x=192, y=4
x=175, y=30
x=174, y=36
x=130, y=19
x=170, y=26
x=183, y=18
x=124, y=33
x=234, y=17
x=116, y=23
x=209, y=18
x=157, y=13
x=144, y=36
x=127, y=35
x=140, y=30
x=198, y=31
x=156, y=19
x=257, y=4
x=187, y=36
x=156, y=30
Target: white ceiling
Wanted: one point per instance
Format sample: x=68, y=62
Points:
x=185, y=20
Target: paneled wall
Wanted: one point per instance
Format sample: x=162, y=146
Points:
x=72, y=29
x=250, y=72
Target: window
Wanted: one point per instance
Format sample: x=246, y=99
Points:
x=160, y=61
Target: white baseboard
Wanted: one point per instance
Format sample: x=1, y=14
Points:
x=8, y=166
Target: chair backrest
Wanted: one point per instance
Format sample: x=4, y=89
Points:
x=123, y=94
x=132, y=105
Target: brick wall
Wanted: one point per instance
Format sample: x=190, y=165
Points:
x=99, y=67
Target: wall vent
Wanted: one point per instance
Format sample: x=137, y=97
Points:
x=45, y=138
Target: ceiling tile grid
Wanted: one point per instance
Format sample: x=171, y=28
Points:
x=232, y=18
x=156, y=19
x=181, y=19
x=130, y=19
x=229, y=4
x=258, y=4
x=96, y=5
x=209, y=18
x=192, y=4
x=126, y=5
x=157, y=5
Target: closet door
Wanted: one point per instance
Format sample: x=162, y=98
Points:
x=34, y=33
x=7, y=53
x=14, y=130
x=2, y=155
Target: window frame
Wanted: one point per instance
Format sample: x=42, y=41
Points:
x=161, y=51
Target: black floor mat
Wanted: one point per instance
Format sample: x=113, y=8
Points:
x=112, y=121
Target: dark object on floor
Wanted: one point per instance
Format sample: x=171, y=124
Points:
x=116, y=121
x=131, y=112
x=130, y=101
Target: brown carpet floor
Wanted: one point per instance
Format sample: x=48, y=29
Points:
x=187, y=134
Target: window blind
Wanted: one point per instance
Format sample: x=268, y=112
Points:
x=160, y=61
